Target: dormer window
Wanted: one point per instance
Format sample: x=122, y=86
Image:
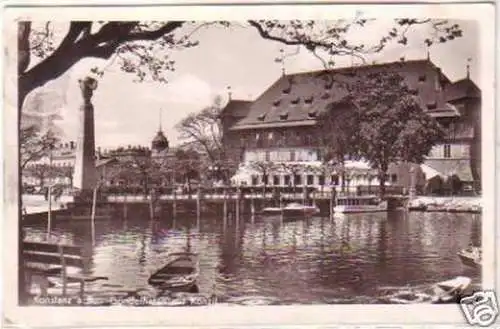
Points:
x=295, y=101
x=311, y=114
x=325, y=96
x=261, y=117
x=432, y=105
x=328, y=86
x=284, y=116
x=422, y=78
x=287, y=90
x=308, y=100
x=277, y=102
x=414, y=91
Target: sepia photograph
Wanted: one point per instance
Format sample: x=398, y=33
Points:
x=219, y=161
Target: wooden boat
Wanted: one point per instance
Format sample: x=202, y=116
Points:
x=449, y=291
x=359, y=204
x=180, y=273
x=471, y=256
x=292, y=209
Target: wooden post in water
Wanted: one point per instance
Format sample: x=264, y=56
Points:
x=49, y=213
x=198, y=206
x=63, y=270
x=174, y=203
x=125, y=212
x=237, y=204
x=92, y=216
x=252, y=202
x=151, y=207
x=224, y=197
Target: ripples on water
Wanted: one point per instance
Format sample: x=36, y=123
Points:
x=347, y=259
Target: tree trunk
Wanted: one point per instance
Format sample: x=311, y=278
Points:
x=382, y=179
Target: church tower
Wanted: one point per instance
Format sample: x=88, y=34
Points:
x=159, y=143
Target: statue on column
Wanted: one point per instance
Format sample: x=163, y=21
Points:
x=85, y=172
x=87, y=85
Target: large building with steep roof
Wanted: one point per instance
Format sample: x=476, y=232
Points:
x=281, y=124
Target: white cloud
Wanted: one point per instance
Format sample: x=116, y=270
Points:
x=188, y=89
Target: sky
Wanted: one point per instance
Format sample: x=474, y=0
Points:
x=127, y=112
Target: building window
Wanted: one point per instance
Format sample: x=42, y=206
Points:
x=321, y=180
x=447, y=150
x=287, y=180
x=276, y=180
x=335, y=180
x=268, y=156
x=257, y=136
x=394, y=178
x=309, y=139
x=310, y=179
x=270, y=135
x=254, y=180
x=292, y=155
x=297, y=180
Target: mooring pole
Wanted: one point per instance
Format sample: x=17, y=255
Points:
x=49, y=213
x=237, y=204
x=252, y=205
x=174, y=203
x=92, y=217
x=198, y=207
x=224, y=196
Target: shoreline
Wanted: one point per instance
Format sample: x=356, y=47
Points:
x=457, y=204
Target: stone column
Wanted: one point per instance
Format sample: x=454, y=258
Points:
x=85, y=173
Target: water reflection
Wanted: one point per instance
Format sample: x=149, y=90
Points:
x=344, y=259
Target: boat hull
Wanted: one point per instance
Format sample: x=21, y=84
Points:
x=180, y=274
x=469, y=261
x=290, y=212
x=358, y=209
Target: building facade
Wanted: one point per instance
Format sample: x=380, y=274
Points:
x=281, y=127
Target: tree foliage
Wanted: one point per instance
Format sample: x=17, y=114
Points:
x=34, y=145
x=392, y=125
x=144, y=48
x=203, y=131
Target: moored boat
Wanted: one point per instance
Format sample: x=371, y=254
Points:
x=292, y=209
x=449, y=291
x=180, y=273
x=359, y=204
x=471, y=256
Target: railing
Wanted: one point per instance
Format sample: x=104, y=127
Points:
x=260, y=192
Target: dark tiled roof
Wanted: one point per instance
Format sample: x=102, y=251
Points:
x=236, y=108
x=295, y=97
x=464, y=88
x=449, y=167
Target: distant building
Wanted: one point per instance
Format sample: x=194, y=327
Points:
x=280, y=126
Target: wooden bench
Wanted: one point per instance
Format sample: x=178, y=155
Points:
x=47, y=260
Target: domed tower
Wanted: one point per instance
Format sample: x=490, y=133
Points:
x=160, y=142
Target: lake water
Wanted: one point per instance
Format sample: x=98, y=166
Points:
x=348, y=259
